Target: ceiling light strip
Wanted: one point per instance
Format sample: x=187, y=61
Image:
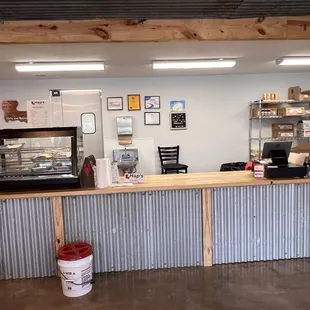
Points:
x=194, y=64
x=58, y=67
x=294, y=61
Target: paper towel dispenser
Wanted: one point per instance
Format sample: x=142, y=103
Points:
x=124, y=125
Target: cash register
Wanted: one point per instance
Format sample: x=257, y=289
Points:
x=280, y=168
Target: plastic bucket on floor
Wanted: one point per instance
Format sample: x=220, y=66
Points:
x=76, y=268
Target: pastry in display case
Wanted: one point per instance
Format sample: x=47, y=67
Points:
x=40, y=158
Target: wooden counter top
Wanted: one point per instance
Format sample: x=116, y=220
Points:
x=167, y=182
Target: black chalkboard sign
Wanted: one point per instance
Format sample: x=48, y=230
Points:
x=177, y=120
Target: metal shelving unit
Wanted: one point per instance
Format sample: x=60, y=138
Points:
x=260, y=119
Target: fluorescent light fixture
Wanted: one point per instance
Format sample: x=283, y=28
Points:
x=194, y=64
x=293, y=61
x=60, y=66
x=80, y=90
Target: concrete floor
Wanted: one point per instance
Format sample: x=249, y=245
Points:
x=281, y=285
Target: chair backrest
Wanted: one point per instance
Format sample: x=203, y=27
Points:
x=169, y=154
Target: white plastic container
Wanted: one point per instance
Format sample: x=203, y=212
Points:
x=75, y=269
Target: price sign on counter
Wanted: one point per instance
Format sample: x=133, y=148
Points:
x=133, y=178
x=259, y=170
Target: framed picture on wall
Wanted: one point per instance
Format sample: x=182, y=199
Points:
x=134, y=103
x=178, y=121
x=177, y=105
x=152, y=102
x=151, y=118
x=114, y=103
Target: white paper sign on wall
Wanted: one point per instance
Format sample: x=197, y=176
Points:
x=38, y=113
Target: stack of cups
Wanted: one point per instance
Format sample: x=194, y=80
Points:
x=104, y=175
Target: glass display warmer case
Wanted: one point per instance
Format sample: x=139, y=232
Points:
x=40, y=158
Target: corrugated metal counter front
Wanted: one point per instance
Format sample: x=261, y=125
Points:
x=138, y=230
x=27, y=247
x=259, y=223
x=132, y=229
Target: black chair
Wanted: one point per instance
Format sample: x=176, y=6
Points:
x=169, y=159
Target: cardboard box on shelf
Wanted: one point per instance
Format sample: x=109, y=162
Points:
x=306, y=94
x=283, y=134
x=281, y=126
x=283, y=130
x=292, y=111
x=303, y=129
x=301, y=148
x=295, y=93
x=268, y=109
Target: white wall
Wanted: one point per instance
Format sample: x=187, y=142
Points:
x=217, y=109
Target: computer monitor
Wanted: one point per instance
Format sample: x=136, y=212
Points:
x=278, y=152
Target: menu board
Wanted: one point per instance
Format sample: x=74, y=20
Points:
x=38, y=113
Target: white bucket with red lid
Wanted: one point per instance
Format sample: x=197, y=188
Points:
x=76, y=268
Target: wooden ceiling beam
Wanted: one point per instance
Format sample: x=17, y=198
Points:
x=270, y=28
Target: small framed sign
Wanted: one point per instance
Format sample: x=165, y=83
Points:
x=114, y=103
x=134, y=103
x=178, y=120
x=151, y=118
x=152, y=102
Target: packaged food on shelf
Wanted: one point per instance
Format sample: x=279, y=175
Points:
x=267, y=97
x=271, y=97
x=303, y=129
x=283, y=130
x=268, y=109
x=292, y=111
